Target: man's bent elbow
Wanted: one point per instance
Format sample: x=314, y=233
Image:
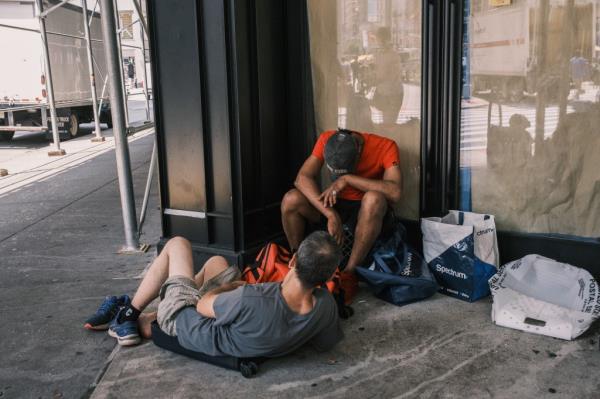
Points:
x=300, y=180
x=395, y=196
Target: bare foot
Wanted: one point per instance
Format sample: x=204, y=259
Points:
x=144, y=323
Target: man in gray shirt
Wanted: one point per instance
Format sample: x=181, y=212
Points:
x=216, y=314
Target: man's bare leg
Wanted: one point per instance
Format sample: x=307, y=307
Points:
x=295, y=211
x=174, y=260
x=370, y=220
x=212, y=267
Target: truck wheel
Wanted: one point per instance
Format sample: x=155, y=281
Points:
x=6, y=136
x=73, y=125
x=107, y=118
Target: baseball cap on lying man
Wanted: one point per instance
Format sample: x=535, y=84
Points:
x=341, y=153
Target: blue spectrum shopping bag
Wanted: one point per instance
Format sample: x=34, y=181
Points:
x=462, y=252
x=396, y=273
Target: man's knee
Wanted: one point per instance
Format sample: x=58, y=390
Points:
x=178, y=243
x=292, y=201
x=373, y=204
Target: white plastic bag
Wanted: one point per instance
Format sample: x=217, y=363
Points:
x=461, y=250
x=442, y=233
x=542, y=296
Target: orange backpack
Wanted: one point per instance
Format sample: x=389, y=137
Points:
x=271, y=265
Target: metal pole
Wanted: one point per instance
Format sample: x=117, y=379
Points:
x=93, y=11
x=49, y=87
x=541, y=71
x=102, y=94
x=120, y=52
x=136, y=5
x=153, y=160
x=43, y=14
x=86, y=30
x=145, y=75
x=566, y=50
x=111, y=51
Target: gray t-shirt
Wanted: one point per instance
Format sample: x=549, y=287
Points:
x=255, y=321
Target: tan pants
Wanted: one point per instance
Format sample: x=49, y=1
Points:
x=179, y=292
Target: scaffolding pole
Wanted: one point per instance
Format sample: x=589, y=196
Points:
x=153, y=160
x=136, y=4
x=57, y=151
x=145, y=76
x=120, y=53
x=86, y=29
x=114, y=71
x=102, y=94
x=93, y=11
x=143, y=34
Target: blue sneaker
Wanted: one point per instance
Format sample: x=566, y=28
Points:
x=106, y=312
x=126, y=332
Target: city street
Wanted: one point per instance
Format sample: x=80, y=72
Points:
x=474, y=122
x=60, y=235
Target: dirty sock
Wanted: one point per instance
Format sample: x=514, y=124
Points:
x=129, y=313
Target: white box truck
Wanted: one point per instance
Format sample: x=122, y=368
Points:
x=503, y=48
x=23, y=98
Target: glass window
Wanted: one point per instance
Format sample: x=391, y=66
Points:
x=530, y=142
x=366, y=63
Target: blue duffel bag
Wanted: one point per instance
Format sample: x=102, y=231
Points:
x=397, y=273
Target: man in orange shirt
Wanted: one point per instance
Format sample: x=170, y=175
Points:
x=365, y=170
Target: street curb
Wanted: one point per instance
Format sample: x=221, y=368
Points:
x=90, y=391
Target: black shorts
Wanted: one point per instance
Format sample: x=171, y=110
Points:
x=348, y=211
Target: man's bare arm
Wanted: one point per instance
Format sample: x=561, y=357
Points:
x=205, y=305
x=389, y=186
x=306, y=183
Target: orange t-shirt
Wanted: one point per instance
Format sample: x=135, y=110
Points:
x=378, y=154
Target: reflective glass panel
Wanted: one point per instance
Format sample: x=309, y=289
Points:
x=530, y=123
x=366, y=62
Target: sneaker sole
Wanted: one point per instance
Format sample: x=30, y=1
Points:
x=127, y=340
x=101, y=327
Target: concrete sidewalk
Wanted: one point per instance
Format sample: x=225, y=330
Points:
x=59, y=239
x=438, y=348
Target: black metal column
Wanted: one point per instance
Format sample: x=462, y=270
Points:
x=222, y=73
x=441, y=72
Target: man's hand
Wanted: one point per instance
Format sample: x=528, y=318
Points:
x=334, y=227
x=228, y=286
x=205, y=305
x=329, y=196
